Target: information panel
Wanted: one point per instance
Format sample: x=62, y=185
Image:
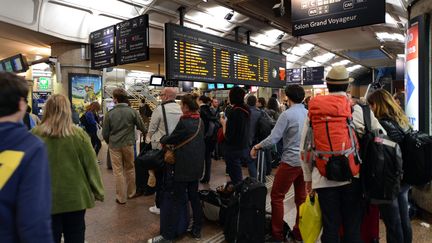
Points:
x=315, y=16
x=313, y=75
x=102, y=48
x=15, y=64
x=192, y=55
x=294, y=76
x=133, y=40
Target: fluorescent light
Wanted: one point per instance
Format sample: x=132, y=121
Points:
x=302, y=49
x=401, y=55
x=291, y=57
x=341, y=63
x=353, y=68
x=324, y=58
x=269, y=38
x=390, y=20
x=312, y=64
x=385, y=36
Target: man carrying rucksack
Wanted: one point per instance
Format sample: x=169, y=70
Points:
x=329, y=150
x=288, y=127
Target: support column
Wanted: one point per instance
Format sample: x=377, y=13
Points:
x=71, y=57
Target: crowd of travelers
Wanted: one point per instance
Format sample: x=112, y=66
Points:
x=53, y=174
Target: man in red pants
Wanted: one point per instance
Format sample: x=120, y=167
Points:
x=288, y=127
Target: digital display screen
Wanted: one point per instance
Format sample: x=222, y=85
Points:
x=15, y=64
x=211, y=86
x=8, y=66
x=220, y=86
x=198, y=56
x=294, y=76
x=313, y=75
x=230, y=86
x=156, y=80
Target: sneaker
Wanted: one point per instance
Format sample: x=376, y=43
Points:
x=195, y=235
x=158, y=239
x=154, y=210
x=121, y=203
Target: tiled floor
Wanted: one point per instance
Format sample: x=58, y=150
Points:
x=109, y=222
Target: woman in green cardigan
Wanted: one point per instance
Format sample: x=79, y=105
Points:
x=75, y=176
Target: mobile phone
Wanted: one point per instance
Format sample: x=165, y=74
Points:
x=222, y=114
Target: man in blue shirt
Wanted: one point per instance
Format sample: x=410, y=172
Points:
x=25, y=193
x=288, y=127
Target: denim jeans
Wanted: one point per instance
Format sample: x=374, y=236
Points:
x=341, y=205
x=71, y=225
x=396, y=218
x=234, y=159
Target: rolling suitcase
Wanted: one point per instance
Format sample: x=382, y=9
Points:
x=166, y=205
x=370, y=225
x=245, y=213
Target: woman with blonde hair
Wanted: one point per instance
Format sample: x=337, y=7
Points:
x=75, y=176
x=395, y=122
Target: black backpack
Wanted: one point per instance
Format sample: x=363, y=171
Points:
x=381, y=168
x=264, y=126
x=417, y=157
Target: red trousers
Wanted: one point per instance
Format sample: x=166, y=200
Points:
x=286, y=175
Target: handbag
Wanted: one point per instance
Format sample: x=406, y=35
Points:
x=99, y=132
x=170, y=150
x=153, y=159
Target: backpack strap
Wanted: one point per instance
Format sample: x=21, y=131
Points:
x=367, y=118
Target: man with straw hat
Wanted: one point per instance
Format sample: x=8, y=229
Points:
x=330, y=163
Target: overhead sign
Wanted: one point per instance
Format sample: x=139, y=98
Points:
x=133, y=40
x=294, y=76
x=193, y=55
x=103, y=48
x=14, y=64
x=315, y=16
x=313, y=75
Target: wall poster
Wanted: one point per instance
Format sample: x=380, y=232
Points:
x=83, y=90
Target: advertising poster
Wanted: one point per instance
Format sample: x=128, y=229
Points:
x=412, y=76
x=83, y=90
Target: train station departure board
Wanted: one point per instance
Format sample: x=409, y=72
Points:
x=192, y=55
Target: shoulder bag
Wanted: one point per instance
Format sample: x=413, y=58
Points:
x=153, y=159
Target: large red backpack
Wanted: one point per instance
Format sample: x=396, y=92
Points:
x=334, y=144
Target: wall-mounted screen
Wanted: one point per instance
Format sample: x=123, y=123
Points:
x=313, y=75
x=15, y=64
x=198, y=56
x=211, y=86
x=230, y=86
x=220, y=86
x=156, y=80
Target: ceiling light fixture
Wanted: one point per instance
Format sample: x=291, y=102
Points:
x=341, y=63
x=324, y=58
x=229, y=15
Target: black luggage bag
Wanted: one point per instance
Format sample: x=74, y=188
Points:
x=245, y=214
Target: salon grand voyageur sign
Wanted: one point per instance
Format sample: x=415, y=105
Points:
x=315, y=16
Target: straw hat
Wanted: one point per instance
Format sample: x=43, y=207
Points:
x=338, y=75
